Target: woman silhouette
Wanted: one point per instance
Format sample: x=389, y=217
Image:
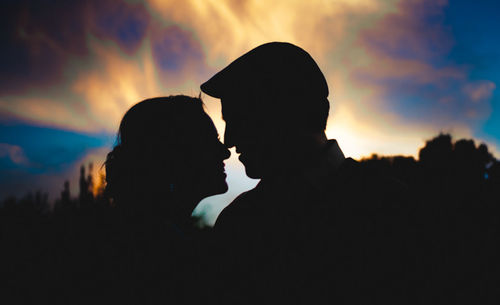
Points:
x=168, y=157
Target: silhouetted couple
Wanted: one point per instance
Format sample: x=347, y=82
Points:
x=317, y=229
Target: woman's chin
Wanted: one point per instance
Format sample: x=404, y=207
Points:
x=222, y=188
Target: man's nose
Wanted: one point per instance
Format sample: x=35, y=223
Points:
x=225, y=152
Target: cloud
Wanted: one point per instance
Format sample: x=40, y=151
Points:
x=411, y=29
x=117, y=57
x=124, y=22
x=19, y=181
x=479, y=90
x=229, y=28
x=38, y=158
x=36, y=44
x=14, y=153
x=398, y=75
x=388, y=64
x=41, y=38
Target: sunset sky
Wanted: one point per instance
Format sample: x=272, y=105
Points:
x=399, y=73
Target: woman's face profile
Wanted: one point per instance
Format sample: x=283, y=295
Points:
x=168, y=149
x=204, y=165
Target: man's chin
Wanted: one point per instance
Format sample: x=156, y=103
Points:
x=252, y=173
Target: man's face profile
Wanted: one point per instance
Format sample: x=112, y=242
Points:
x=243, y=132
x=259, y=94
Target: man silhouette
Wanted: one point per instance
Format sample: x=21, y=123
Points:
x=300, y=236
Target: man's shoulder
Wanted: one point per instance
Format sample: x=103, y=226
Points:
x=241, y=203
x=356, y=181
x=238, y=209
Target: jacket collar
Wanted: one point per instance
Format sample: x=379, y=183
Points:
x=327, y=163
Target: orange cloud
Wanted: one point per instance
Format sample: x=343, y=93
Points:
x=230, y=28
x=115, y=83
x=47, y=111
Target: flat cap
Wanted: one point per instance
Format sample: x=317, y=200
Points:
x=277, y=67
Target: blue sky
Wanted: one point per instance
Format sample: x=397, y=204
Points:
x=473, y=28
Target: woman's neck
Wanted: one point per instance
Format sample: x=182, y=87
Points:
x=181, y=209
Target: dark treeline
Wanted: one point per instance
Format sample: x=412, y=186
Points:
x=72, y=250
x=454, y=172
x=41, y=241
x=47, y=250
x=453, y=214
